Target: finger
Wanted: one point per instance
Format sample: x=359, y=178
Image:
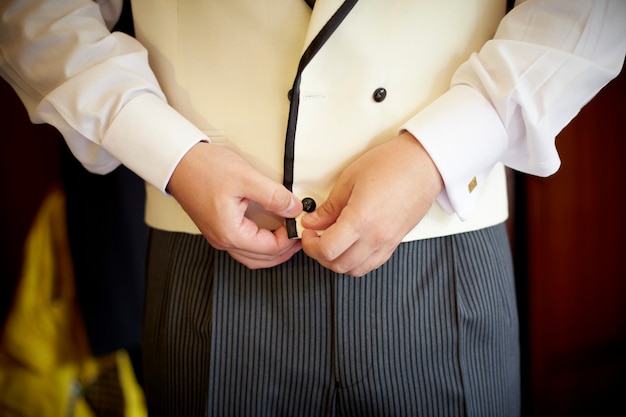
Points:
x=253, y=261
x=356, y=261
x=371, y=262
x=329, y=248
x=278, y=242
x=249, y=237
x=285, y=248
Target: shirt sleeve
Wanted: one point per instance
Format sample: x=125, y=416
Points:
x=508, y=102
x=94, y=86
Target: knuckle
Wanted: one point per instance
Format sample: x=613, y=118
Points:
x=357, y=273
x=328, y=253
x=383, y=238
x=362, y=270
x=340, y=268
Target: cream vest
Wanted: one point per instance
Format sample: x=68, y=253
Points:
x=228, y=66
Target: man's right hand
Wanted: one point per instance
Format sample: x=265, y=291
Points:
x=214, y=186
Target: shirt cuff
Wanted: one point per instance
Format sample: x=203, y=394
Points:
x=465, y=137
x=150, y=138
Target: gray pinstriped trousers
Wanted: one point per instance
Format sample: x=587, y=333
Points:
x=431, y=333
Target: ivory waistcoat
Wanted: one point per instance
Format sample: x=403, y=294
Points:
x=228, y=66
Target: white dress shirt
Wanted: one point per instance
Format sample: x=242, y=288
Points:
x=546, y=61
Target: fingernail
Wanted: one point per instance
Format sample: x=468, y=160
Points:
x=293, y=204
x=311, y=218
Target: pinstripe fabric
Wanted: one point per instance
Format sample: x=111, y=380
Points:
x=431, y=333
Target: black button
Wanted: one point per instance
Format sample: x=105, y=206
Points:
x=379, y=95
x=290, y=95
x=308, y=205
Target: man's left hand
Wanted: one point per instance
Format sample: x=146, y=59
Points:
x=377, y=200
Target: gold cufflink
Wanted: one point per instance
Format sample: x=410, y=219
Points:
x=472, y=185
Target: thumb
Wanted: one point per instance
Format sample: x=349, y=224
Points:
x=274, y=197
x=326, y=214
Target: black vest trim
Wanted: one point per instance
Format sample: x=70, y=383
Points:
x=509, y=5
x=317, y=43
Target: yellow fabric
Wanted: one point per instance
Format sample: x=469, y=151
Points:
x=44, y=355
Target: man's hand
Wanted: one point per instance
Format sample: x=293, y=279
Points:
x=215, y=185
x=377, y=200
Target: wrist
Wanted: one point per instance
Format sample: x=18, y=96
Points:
x=422, y=161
